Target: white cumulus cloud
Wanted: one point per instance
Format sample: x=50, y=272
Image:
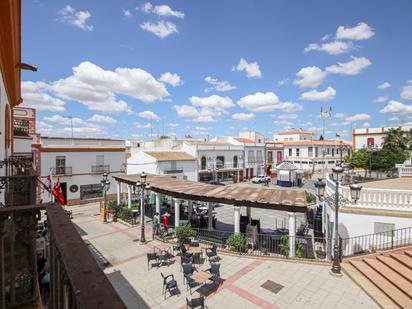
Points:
x=381, y=99
x=407, y=91
x=65, y=120
x=395, y=107
x=149, y=115
x=161, y=29
x=310, y=77
x=214, y=101
x=161, y=10
x=171, y=79
x=218, y=85
x=36, y=95
x=102, y=118
x=251, y=68
x=361, y=31
x=243, y=116
x=315, y=95
x=383, y=86
x=265, y=102
x=352, y=67
x=71, y=16
x=332, y=48
x=358, y=117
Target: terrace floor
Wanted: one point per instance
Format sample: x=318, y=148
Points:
x=123, y=258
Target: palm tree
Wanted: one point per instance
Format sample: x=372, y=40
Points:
x=397, y=140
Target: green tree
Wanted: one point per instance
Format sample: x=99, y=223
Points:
x=385, y=159
x=359, y=159
x=396, y=140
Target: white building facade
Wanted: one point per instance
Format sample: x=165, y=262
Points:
x=172, y=163
x=79, y=164
x=379, y=211
x=371, y=137
x=216, y=161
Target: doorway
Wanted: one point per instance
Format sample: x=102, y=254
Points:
x=63, y=186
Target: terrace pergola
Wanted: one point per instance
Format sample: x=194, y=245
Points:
x=291, y=201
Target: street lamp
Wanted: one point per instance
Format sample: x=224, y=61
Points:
x=355, y=188
x=143, y=186
x=105, y=187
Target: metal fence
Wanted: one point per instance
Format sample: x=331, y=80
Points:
x=379, y=241
x=101, y=169
x=268, y=245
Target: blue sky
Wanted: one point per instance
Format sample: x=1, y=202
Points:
x=216, y=67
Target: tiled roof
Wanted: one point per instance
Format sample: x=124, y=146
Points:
x=286, y=166
x=170, y=155
x=244, y=140
x=294, y=131
x=316, y=143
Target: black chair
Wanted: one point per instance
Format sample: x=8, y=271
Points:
x=195, y=243
x=151, y=257
x=188, y=270
x=196, y=302
x=169, y=284
x=163, y=257
x=215, y=272
x=211, y=253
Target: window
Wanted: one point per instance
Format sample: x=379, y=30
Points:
x=316, y=151
x=7, y=135
x=259, y=156
x=333, y=152
x=220, y=161
x=328, y=150
x=100, y=160
x=91, y=191
x=60, y=165
x=270, y=156
x=173, y=165
x=381, y=227
x=310, y=151
x=297, y=152
x=251, y=156
x=370, y=142
x=234, y=161
x=203, y=163
x=290, y=152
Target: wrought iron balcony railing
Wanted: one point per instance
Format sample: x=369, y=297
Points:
x=62, y=170
x=21, y=127
x=176, y=171
x=99, y=169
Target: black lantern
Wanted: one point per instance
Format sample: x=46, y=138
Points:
x=337, y=173
x=320, y=186
x=355, y=190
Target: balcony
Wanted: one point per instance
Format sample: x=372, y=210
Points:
x=62, y=171
x=174, y=171
x=100, y=169
x=76, y=281
x=21, y=127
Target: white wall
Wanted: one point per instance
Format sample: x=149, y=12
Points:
x=142, y=162
x=22, y=144
x=3, y=102
x=81, y=164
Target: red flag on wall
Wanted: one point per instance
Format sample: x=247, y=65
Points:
x=58, y=193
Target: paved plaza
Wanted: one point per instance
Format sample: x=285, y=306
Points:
x=119, y=252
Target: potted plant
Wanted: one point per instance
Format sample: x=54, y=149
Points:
x=236, y=242
x=184, y=233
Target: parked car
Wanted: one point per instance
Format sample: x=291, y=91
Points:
x=261, y=179
x=217, y=183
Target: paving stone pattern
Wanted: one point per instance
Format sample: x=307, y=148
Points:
x=304, y=285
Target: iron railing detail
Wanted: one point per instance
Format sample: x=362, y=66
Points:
x=100, y=169
x=62, y=170
x=370, y=243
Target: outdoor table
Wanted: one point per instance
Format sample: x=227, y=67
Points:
x=200, y=276
x=194, y=249
x=162, y=247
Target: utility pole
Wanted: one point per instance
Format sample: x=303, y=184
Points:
x=324, y=113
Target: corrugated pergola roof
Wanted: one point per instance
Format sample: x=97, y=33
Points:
x=258, y=197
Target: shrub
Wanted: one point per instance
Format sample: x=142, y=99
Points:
x=237, y=242
x=284, y=247
x=185, y=232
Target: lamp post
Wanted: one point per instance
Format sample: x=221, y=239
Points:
x=143, y=186
x=355, y=188
x=105, y=182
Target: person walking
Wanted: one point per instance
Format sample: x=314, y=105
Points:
x=166, y=222
x=156, y=223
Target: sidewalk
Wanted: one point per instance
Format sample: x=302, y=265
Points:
x=123, y=258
